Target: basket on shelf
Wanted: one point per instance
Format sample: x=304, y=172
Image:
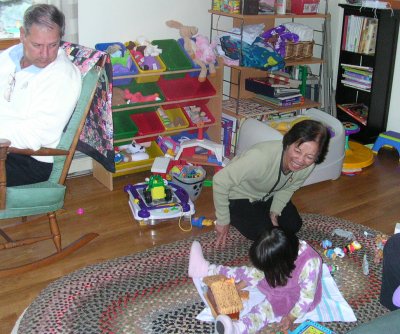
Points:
x=298, y=50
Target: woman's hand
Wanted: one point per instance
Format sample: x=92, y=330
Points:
x=274, y=218
x=222, y=233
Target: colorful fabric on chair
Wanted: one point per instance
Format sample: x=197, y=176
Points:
x=96, y=139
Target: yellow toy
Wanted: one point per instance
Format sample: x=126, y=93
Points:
x=285, y=126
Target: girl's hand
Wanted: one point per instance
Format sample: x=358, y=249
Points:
x=286, y=323
x=222, y=234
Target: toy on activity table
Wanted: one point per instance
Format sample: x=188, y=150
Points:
x=158, y=200
x=202, y=221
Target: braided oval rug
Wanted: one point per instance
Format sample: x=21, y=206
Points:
x=150, y=292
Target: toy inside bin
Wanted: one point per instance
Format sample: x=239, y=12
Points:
x=197, y=113
x=190, y=178
x=122, y=63
x=147, y=93
x=172, y=118
x=146, y=65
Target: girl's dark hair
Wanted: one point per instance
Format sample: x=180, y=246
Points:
x=275, y=253
x=45, y=15
x=309, y=130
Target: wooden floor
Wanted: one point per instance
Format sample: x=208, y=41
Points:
x=371, y=199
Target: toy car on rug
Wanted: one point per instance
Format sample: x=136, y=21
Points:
x=158, y=200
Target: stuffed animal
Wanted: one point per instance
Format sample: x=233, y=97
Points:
x=187, y=33
x=205, y=52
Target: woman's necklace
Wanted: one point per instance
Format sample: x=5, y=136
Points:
x=290, y=179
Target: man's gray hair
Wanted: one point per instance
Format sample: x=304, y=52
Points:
x=44, y=15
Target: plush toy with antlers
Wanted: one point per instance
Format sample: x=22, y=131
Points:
x=200, y=50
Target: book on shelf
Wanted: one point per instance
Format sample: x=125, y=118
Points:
x=357, y=76
x=280, y=102
x=351, y=74
x=358, y=111
x=269, y=87
x=360, y=34
x=370, y=37
x=284, y=77
x=229, y=126
x=356, y=85
x=226, y=129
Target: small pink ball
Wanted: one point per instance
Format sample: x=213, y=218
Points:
x=80, y=211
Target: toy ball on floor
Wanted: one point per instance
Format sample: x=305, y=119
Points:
x=80, y=211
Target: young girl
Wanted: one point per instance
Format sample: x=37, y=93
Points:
x=287, y=271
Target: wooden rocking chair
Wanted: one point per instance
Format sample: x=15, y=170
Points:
x=46, y=197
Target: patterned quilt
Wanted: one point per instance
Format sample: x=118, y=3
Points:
x=96, y=139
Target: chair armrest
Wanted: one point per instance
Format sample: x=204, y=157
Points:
x=43, y=151
x=4, y=144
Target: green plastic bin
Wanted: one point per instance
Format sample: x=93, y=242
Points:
x=173, y=57
x=124, y=126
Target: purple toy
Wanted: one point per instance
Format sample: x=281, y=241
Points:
x=277, y=37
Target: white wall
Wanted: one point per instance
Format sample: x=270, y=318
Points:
x=124, y=20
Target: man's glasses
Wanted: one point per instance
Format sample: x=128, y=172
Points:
x=11, y=84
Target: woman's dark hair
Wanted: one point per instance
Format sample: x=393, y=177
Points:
x=275, y=253
x=309, y=130
x=44, y=15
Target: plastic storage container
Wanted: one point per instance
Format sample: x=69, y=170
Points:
x=122, y=66
x=148, y=123
x=300, y=7
x=185, y=88
x=125, y=168
x=152, y=62
x=173, y=57
x=124, y=126
x=198, y=112
x=189, y=178
x=142, y=90
x=172, y=118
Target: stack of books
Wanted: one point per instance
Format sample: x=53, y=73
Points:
x=358, y=111
x=274, y=91
x=359, y=34
x=359, y=77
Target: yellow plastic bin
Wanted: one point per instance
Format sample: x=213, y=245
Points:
x=125, y=168
x=151, y=62
x=172, y=119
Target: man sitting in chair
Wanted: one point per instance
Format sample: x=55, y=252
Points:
x=40, y=87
